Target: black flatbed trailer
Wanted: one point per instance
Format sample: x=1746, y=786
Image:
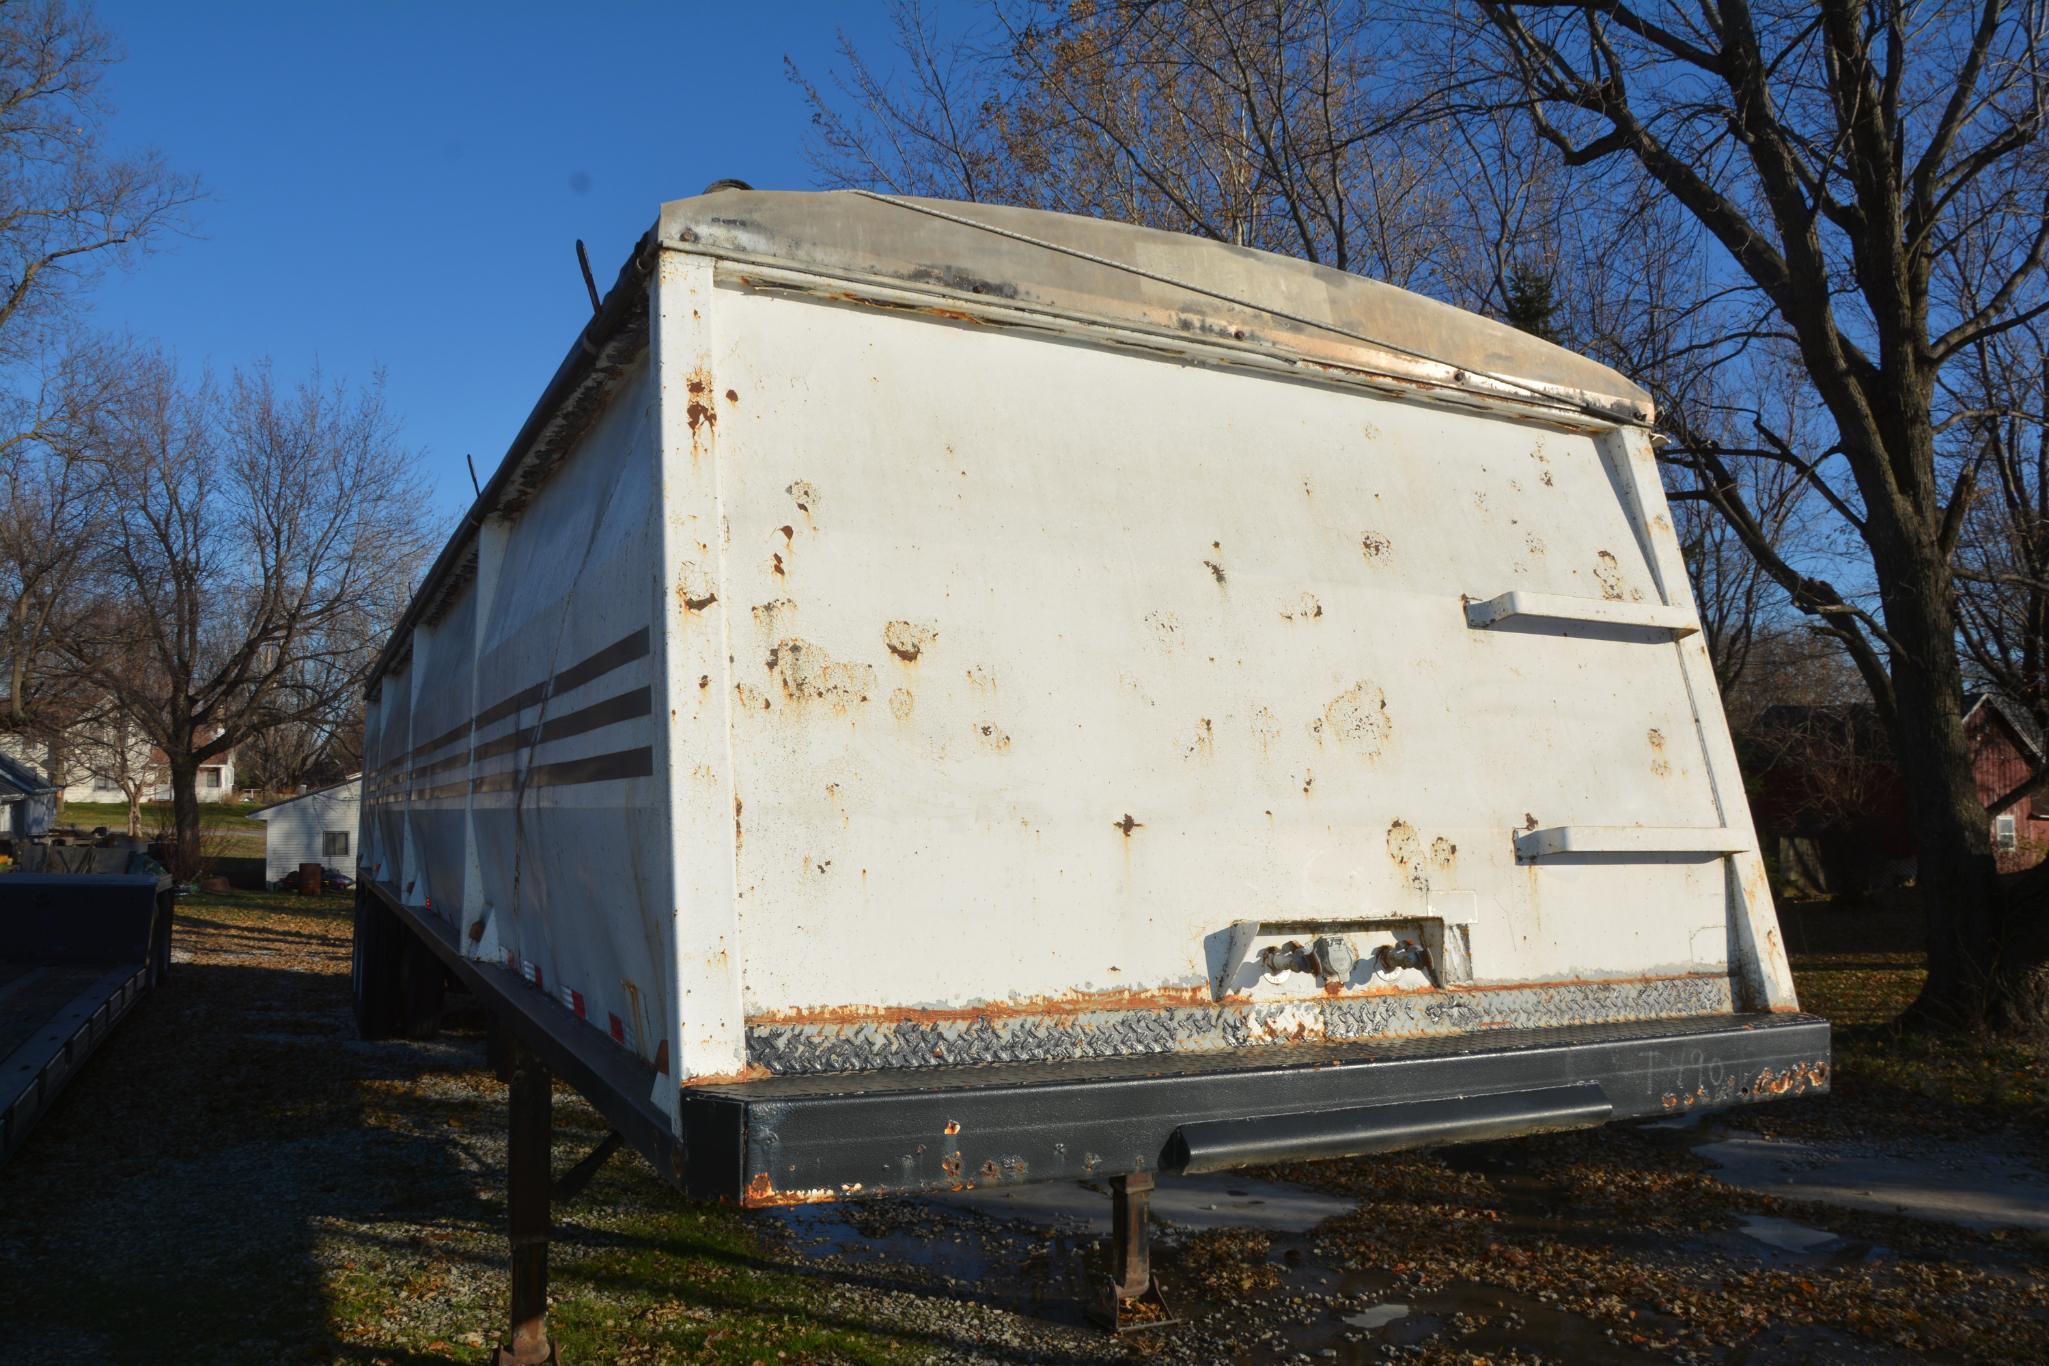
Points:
x=77, y=951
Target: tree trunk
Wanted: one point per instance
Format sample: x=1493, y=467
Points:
x=185, y=816
x=1985, y=969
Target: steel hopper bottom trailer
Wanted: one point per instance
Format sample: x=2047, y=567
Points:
x=940, y=696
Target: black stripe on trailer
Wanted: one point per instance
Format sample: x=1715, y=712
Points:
x=599, y=768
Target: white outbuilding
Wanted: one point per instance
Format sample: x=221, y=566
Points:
x=317, y=826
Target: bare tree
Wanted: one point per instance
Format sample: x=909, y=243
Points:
x=296, y=744
x=2002, y=569
x=107, y=746
x=265, y=539
x=67, y=206
x=68, y=209
x=1258, y=124
x=1839, y=155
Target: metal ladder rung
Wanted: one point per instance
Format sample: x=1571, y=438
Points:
x=1630, y=839
x=1656, y=616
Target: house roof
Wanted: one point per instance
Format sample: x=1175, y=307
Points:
x=18, y=780
x=2015, y=716
x=262, y=812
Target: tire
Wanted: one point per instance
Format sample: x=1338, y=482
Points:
x=423, y=990
x=376, y=970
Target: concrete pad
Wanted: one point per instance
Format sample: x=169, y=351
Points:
x=1193, y=1203
x=1974, y=1185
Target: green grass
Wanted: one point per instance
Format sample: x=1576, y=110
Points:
x=224, y=827
x=157, y=815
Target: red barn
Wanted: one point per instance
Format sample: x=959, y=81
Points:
x=2006, y=754
x=1830, y=801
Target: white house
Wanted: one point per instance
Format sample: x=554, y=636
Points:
x=315, y=827
x=99, y=763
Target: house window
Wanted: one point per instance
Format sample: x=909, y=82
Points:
x=210, y=778
x=2008, y=834
x=335, y=844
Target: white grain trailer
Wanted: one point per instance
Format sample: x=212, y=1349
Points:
x=944, y=696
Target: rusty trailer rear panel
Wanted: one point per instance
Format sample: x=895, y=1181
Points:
x=918, y=641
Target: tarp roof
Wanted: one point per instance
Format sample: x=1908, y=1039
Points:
x=1117, y=272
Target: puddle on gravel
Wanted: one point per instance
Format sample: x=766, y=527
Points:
x=1379, y=1316
x=1787, y=1236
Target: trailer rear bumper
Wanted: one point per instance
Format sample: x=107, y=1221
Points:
x=798, y=1139
x=791, y=1140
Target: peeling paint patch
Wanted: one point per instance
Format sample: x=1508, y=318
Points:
x=993, y=736
x=1266, y=728
x=772, y=616
x=698, y=412
x=1660, y=765
x=1443, y=853
x=901, y=704
x=907, y=640
x=694, y=587
x=1374, y=546
x=1405, y=847
x=1357, y=719
x=1608, y=573
x=1305, y=608
x=1203, y=745
x=751, y=697
x=804, y=496
x=809, y=674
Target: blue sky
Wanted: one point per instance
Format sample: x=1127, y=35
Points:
x=402, y=185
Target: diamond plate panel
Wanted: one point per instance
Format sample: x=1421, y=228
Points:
x=813, y=1049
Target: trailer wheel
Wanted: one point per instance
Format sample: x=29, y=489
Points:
x=375, y=970
x=423, y=990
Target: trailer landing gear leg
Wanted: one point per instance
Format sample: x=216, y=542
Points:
x=1131, y=1300
x=529, y=1178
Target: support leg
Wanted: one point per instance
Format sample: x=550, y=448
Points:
x=528, y=1180
x=1131, y=1251
x=1132, y=1299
